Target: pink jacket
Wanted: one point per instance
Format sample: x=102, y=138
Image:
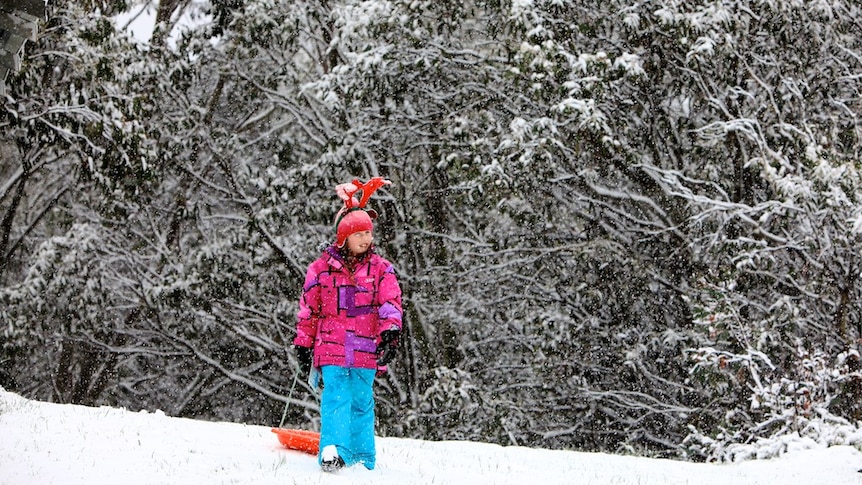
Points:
x=341, y=315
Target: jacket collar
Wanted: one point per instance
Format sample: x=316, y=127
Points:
x=335, y=259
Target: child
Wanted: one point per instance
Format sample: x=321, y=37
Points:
x=348, y=326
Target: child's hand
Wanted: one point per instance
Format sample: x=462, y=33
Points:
x=304, y=355
x=388, y=346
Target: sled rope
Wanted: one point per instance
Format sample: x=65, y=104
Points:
x=287, y=403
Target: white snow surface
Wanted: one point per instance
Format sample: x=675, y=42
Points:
x=46, y=443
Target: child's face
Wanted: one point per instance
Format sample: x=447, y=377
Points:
x=359, y=242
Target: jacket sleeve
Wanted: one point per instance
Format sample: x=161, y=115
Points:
x=389, y=304
x=309, y=309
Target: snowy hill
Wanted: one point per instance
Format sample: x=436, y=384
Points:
x=44, y=443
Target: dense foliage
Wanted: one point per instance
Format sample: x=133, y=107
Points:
x=619, y=225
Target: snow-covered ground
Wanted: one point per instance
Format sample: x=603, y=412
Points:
x=44, y=443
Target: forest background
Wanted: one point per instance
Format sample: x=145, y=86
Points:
x=628, y=226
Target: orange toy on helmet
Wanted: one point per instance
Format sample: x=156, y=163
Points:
x=354, y=217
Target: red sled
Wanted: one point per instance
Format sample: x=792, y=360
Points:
x=299, y=440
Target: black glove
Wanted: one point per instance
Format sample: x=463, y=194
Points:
x=304, y=355
x=388, y=346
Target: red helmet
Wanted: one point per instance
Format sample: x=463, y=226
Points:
x=354, y=217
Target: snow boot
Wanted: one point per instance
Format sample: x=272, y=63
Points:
x=329, y=459
x=332, y=465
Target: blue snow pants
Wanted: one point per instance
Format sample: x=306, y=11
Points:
x=347, y=414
